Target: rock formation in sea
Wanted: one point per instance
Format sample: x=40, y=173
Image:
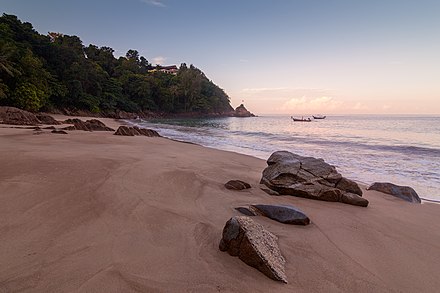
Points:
x=15, y=116
x=241, y=111
x=403, y=192
x=254, y=245
x=291, y=174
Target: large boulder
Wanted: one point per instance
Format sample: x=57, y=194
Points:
x=134, y=131
x=15, y=116
x=285, y=214
x=254, y=245
x=291, y=174
x=403, y=192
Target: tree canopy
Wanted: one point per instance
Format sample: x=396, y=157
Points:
x=56, y=71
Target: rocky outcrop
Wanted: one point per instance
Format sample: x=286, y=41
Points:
x=134, y=131
x=254, y=245
x=89, y=125
x=15, y=116
x=403, y=192
x=237, y=185
x=47, y=119
x=241, y=111
x=286, y=214
x=291, y=174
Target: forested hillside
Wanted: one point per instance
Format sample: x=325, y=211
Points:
x=57, y=72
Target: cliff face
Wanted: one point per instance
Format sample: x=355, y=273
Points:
x=241, y=111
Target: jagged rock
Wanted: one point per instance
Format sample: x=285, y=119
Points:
x=291, y=174
x=403, y=192
x=282, y=213
x=89, y=125
x=237, y=185
x=241, y=111
x=46, y=119
x=58, y=131
x=50, y=127
x=15, y=116
x=132, y=131
x=254, y=245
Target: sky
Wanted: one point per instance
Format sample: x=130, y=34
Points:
x=278, y=56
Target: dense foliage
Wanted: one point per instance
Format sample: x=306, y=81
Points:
x=44, y=73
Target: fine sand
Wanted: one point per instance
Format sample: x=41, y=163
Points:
x=95, y=212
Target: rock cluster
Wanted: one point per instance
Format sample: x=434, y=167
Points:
x=89, y=125
x=47, y=119
x=15, y=116
x=286, y=214
x=291, y=174
x=254, y=245
x=134, y=131
x=403, y=192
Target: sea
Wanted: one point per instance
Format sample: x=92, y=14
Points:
x=403, y=150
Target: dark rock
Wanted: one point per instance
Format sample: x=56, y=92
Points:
x=237, y=185
x=96, y=125
x=282, y=213
x=77, y=125
x=349, y=186
x=254, y=245
x=134, y=131
x=268, y=190
x=354, y=199
x=246, y=211
x=291, y=174
x=403, y=192
x=15, y=116
x=46, y=119
x=49, y=127
x=58, y=131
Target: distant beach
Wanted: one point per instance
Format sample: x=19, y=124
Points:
x=95, y=212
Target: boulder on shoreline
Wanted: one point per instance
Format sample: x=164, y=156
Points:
x=403, y=192
x=237, y=185
x=254, y=245
x=15, y=116
x=88, y=125
x=291, y=174
x=135, y=131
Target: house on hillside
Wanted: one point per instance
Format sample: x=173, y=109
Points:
x=172, y=69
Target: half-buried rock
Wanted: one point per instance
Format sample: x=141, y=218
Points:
x=254, y=245
x=291, y=174
x=237, y=185
x=135, y=131
x=403, y=192
x=286, y=214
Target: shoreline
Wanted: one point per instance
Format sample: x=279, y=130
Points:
x=94, y=212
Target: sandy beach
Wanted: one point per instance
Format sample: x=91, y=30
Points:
x=95, y=212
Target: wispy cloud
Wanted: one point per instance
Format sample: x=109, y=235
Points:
x=309, y=105
x=157, y=3
x=159, y=60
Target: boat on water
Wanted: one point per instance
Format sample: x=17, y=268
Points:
x=318, y=116
x=302, y=119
